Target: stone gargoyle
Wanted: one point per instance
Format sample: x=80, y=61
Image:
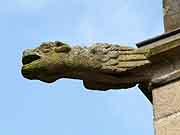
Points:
x=101, y=66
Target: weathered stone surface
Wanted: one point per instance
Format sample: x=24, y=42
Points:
x=171, y=14
x=169, y=125
x=166, y=100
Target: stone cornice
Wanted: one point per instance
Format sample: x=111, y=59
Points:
x=164, y=54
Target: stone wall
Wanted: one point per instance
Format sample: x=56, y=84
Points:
x=166, y=100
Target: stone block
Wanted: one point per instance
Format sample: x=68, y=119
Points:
x=168, y=125
x=166, y=100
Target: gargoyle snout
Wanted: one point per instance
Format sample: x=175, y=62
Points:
x=29, y=56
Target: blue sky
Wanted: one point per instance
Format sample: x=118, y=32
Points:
x=66, y=107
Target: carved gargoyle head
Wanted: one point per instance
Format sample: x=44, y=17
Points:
x=43, y=63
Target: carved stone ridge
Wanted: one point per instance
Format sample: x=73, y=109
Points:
x=173, y=76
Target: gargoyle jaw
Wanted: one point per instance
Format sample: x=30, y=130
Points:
x=38, y=74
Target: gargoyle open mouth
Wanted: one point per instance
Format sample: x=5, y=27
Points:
x=27, y=60
x=30, y=58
